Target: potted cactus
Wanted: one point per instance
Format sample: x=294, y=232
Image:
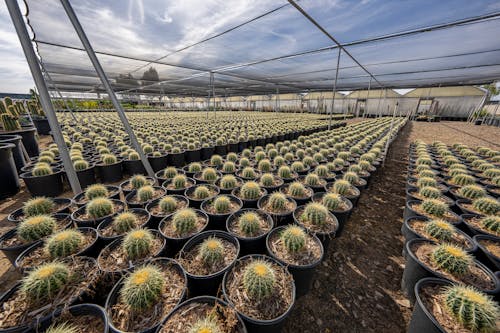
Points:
x=85, y=172
x=96, y=191
x=43, y=180
x=205, y=258
x=297, y=191
x=442, y=306
x=135, y=247
x=167, y=205
x=178, y=184
x=318, y=220
x=40, y=206
x=270, y=182
x=482, y=225
x=132, y=164
x=192, y=168
x=299, y=250
x=143, y=195
x=250, y=227
x=431, y=208
x=338, y=205
x=142, y=299
x=279, y=206
x=135, y=182
x=176, y=157
x=95, y=211
x=168, y=173
x=249, y=193
x=480, y=206
x=45, y=289
x=116, y=226
x=227, y=183
x=256, y=280
x=285, y=173
x=219, y=208
x=488, y=251
x=198, y=193
x=428, y=192
x=427, y=259
x=207, y=176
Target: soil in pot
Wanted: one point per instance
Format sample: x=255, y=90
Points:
x=144, y=195
x=219, y=208
x=160, y=283
x=482, y=224
x=441, y=232
x=96, y=190
x=40, y=206
x=447, y=215
x=250, y=226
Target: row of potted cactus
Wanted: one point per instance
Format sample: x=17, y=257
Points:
x=452, y=232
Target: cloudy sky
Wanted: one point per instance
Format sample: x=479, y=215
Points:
x=152, y=29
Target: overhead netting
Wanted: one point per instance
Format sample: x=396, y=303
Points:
x=259, y=46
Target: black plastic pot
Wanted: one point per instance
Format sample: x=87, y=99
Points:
x=87, y=176
x=75, y=310
x=207, y=284
x=134, y=167
x=155, y=219
x=255, y=325
x=105, y=240
x=126, y=190
x=5, y=297
x=207, y=152
x=248, y=203
x=42, y=125
x=232, y=148
x=174, y=245
x=79, y=199
x=416, y=270
x=76, y=215
x=218, y=221
x=342, y=216
x=176, y=160
x=17, y=152
x=161, y=179
x=470, y=229
x=158, y=163
x=12, y=252
x=8, y=172
x=115, y=294
x=279, y=219
x=192, y=155
x=195, y=203
x=212, y=301
x=324, y=237
x=29, y=140
x=239, y=181
x=409, y=212
x=302, y=274
x=421, y=319
x=250, y=245
x=220, y=150
x=486, y=257
x=177, y=191
x=47, y=186
x=110, y=173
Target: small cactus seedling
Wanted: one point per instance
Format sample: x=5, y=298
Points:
x=342, y=187
x=472, y=191
x=211, y=251
x=80, y=165
x=38, y=206
x=63, y=328
x=277, y=202
x=206, y=325
x=441, y=230
x=250, y=191
x=124, y=222
x=332, y=201
x=296, y=190
x=108, y=159
x=294, y=238
x=462, y=179
x=322, y=170
x=138, y=181
x=194, y=167
x=451, y=259
x=267, y=179
x=297, y=166
x=244, y=162
x=351, y=177
x=137, y=243
x=143, y=288
x=216, y=160
x=486, y=205
x=209, y=175
x=259, y=280
x=99, y=207
x=168, y=204
x=249, y=224
x=184, y=221
x=46, y=281
x=315, y=213
x=41, y=169
x=179, y=181
x=491, y=223
x=248, y=172
x=36, y=227
x=201, y=192
x=228, y=182
x=222, y=204
x=312, y=179
x=171, y=172
x=264, y=165
x=471, y=308
x=96, y=191
x=285, y=172
x=434, y=207
x=229, y=167
x=145, y=193
x=64, y=243
x=426, y=181
x=429, y=192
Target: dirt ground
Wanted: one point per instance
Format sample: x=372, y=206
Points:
x=357, y=288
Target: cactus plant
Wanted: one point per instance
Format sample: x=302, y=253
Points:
x=441, y=230
x=184, y=221
x=332, y=201
x=38, y=206
x=312, y=179
x=250, y=191
x=264, y=165
x=216, y=160
x=285, y=172
x=201, y=192
x=294, y=238
x=228, y=182
x=471, y=308
x=41, y=169
x=297, y=166
x=62, y=328
x=143, y=288
x=434, y=207
x=342, y=187
x=206, y=325
x=248, y=172
x=193, y=167
x=486, y=205
x=211, y=251
x=462, y=179
x=222, y=204
x=296, y=190
x=124, y=222
x=259, y=280
x=46, y=281
x=109, y=159
x=209, y=175
x=171, y=172
x=426, y=181
x=429, y=192
x=491, y=223
x=229, y=167
x=249, y=224
x=96, y=191
x=137, y=243
x=351, y=177
x=36, y=227
x=80, y=165
x=315, y=213
x=99, y=207
x=179, y=181
x=138, y=181
x=64, y=243
x=451, y=259
x=133, y=156
x=472, y=191
x=277, y=202
x=145, y=193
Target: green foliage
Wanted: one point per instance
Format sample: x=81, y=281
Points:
x=486, y=205
x=441, y=230
x=294, y=238
x=259, y=280
x=96, y=191
x=137, y=243
x=143, y=288
x=451, y=259
x=250, y=191
x=38, y=206
x=64, y=243
x=434, y=207
x=211, y=251
x=46, y=281
x=124, y=222
x=471, y=308
x=36, y=227
x=99, y=207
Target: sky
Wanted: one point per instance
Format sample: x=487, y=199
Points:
x=150, y=29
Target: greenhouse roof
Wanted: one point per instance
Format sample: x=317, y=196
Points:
x=259, y=47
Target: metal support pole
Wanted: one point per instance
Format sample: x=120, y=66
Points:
x=390, y=130
x=335, y=89
x=385, y=99
x=367, y=97
x=276, y=107
x=212, y=87
x=378, y=104
x=100, y=72
x=22, y=33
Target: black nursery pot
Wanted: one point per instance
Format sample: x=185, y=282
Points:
x=208, y=284
x=48, y=186
x=42, y=125
x=79, y=199
x=75, y=310
x=8, y=172
x=485, y=256
x=155, y=219
x=110, y=173
x=342, y=216
x=421, y=319
x=192, y=155
x=29, y=140
x=87, y=176
x=232, y=148
x=279, y=219
x=115, y=294
x=218, y=221
x=123, y=185
x=17, y=152
x=302, y=274
x=324, y=237
x=174, y=245
x=134, y=167
x=176, y=159
x=299, y=201
x=65, y=204
x=105, y=240
x=177, y=191
x=250, y=245
x=206, y=152
x=131, y=195
x=158, y=163
x=195, y=203
x=76, y=215
x=221, y=150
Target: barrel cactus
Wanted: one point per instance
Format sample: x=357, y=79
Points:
x=429, y=192
x=486, y=205
x=80, y=165
x=229, y=167
x=145, y=193
x=143, y=288
x=491, y=223
x=184, y=221
x=249, y=224
x=206, y=325
x=109, y=159
x=222, y=204
x=342, y=187
x=64, y=243
x=41, y=169
x=228, y=182
x=46, y=281
x=463, y=179
x=179, y=182
x=216, y=160
x=294, y=238
x=36, y=227
x=250, y=191
x=99, y=207
x=168, y=204
x=332, y=201
x=426, y=181
x=434, y=207
x=38, y=206
x=248, y=172
x=201, y=192
x=137, y=243
x=96, y=191
x=124, y=222
x=267, y=179
x=211, y=251
x=296, y=190
x=285, y=172
x=351, y=177
x=322, y=171
x=451, y=259
x=472, y=191
x=315, y=213
x=259, y=280
x=277, y=202
x=312, y=179
x=441, y=230
x=194, y=167
x=171, y=172
x=209, y=175
x=138, y=181
x=62, y=328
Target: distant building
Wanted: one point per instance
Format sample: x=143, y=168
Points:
x=15, y=96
